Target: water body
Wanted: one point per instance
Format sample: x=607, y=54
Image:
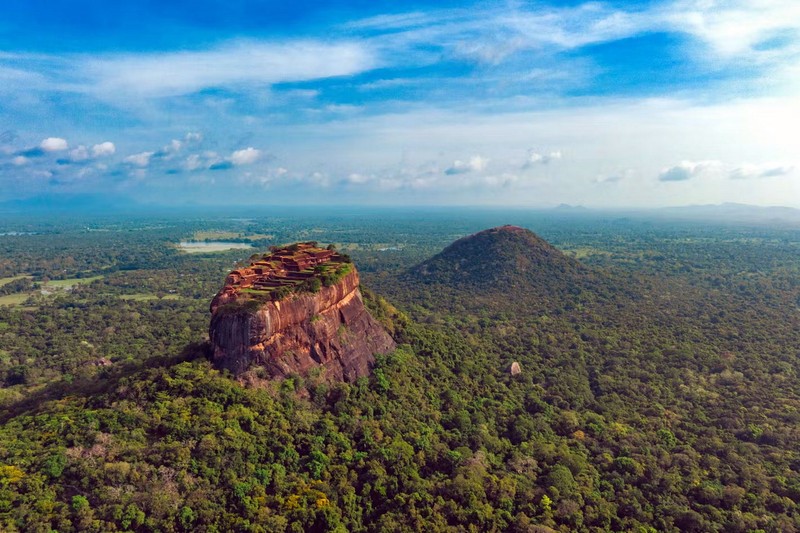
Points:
x=212, y=246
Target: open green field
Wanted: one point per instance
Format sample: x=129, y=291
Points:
x=6, y=281
x=143, y=297
x=582, y=252
x=66, y=283
x=13, y=299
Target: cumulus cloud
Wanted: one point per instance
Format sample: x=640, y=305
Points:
x=536, y=158
x=81, y=153
x=476, y=163
x=247, y=156
x=169, y=151
x=20, y=160
x=139, y=160
x=103, y=149
x=54, y=144
x=206, y=160
x=686, y=170
x=760, y=171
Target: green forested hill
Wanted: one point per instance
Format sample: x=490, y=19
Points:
x=645, y=403
x=505, y=268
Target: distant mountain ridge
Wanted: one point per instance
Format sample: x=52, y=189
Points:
x=733, y=212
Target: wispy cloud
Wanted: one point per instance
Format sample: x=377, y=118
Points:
x=234, y=64
x=686, y=170
x=475, y=163
x=740, y=27
x=761, y=171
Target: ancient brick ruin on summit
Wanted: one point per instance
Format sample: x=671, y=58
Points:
x=285, y=267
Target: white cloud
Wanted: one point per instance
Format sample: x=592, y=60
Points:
x=193, y=162
x=194, y=137
x=615, y=177
x=83, y=153
x=139, y=160
x=174, y=146
x=358, y=179
x=272, y=175
x=20, y=160
x=54, y=144
x=760, y=171
x=79, y=154
x=686, y=170
x=234, y=64
x=502, y=180
x=535, y=158
x=85, y=172
x=170, y=151
x=403, y=151
x=736, y=27
x=476, y=163
x=247, y=156
x=103, y=149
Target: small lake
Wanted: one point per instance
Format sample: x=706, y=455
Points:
x=212, y=246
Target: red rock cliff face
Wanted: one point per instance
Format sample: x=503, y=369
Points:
x=330, y=329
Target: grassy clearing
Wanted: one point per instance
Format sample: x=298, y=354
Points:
x=6, y=281
x=585, y=251
x=142, y=297
x=66, y=283
x=13, y=299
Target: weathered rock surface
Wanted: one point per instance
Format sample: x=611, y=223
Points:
x=330, y=329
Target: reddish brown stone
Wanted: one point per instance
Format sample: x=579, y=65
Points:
x=330, y=329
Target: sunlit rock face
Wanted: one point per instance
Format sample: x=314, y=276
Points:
x=330, y=329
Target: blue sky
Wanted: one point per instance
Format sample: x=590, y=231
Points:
x=605, y=104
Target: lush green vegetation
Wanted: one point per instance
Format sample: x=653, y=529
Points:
x=658, y=393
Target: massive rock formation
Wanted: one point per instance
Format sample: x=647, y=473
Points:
x=298, y=331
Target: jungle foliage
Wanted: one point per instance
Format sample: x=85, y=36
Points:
x=659, y=389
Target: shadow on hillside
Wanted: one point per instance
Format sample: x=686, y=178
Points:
x=102, y=381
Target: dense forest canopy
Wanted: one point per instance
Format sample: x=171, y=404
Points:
x=659, y=388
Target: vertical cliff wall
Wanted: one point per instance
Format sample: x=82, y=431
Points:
x=330, y=329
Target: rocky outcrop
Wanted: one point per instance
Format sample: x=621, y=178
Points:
x=330, y=329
